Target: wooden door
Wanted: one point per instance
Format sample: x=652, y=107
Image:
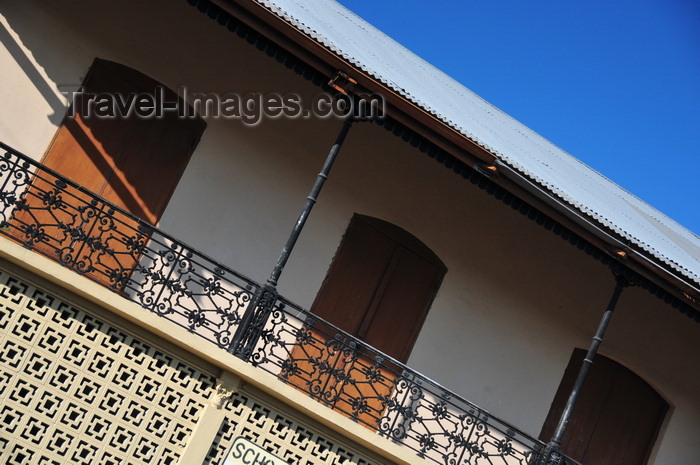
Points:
x=616, y=419
x=378, y=288
x=131, y=160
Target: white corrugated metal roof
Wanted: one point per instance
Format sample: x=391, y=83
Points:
x=516, y=145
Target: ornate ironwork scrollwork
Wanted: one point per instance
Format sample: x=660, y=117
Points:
x=53, y=216
x=47, y=213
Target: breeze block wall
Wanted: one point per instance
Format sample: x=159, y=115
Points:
x=79, y=386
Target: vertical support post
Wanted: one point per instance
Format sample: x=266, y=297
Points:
x=553, y=454
x=260, y=306
x=310, y=202
x=210, y=420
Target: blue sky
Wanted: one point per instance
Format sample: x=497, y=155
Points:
x=615, y=83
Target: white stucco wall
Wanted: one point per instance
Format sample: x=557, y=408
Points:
x=516, y=299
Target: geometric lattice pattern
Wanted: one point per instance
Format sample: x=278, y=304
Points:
x=279, y=434
x=75, y=389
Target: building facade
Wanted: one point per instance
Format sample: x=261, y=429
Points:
x=435, y=307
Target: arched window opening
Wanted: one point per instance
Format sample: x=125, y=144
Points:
x=380, y=285
x=123, y=139
x=616, y=419
x=379, y=289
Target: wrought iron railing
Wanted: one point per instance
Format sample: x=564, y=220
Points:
x=53, y=216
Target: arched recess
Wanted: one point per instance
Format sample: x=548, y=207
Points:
x=134, y=159
x=124, y=139
x=616, y=419
x=380, y=285
x=379, y=289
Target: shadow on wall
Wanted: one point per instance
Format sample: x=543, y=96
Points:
x=57, y=106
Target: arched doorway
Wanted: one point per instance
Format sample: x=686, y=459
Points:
x=616, y=419
x=121, y=139
x=380, y=285
x=379, y=289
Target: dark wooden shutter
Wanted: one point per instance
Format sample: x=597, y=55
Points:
x=133, y=162
x=380, y=286
x=616, y=419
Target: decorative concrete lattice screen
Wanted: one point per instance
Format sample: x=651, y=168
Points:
x=280, y=434
x=76, y=389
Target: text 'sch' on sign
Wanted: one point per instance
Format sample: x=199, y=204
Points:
x=244, y=452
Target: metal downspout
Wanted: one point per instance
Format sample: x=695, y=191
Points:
x=310, y=202
x=553, y=454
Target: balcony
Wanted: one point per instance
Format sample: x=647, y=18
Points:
x=55, y=217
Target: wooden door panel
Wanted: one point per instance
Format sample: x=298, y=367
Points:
x=588, y=408
x=364, y=391
x=378, y=288
x=408, y=293
x=348, y=380
x=132, y=162
x=624, y=434
x=74, y=150
x=616, y=418
x=62, y=223
x=150, y=165
x=353, y=277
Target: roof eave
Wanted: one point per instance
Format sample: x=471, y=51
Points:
x=328, y=62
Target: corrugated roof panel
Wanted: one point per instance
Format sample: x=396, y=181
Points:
x=378, y=55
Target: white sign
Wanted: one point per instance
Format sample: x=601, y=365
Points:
x=244, y=452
